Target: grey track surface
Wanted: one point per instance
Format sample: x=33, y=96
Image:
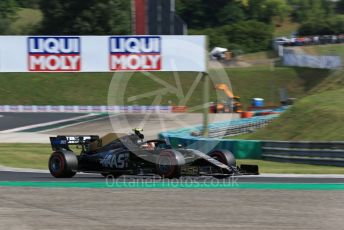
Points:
x=152, y=124
x=15, y=120
x=30, y=176
x=33, y=208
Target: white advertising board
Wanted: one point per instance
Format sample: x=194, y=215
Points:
x=102, y=53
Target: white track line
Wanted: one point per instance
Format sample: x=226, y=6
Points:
x=28, y=170
x=77, y=123
x=289, y=175
x=45, y=124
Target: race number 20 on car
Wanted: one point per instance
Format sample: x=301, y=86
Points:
x=54, y=54
x=135, y=53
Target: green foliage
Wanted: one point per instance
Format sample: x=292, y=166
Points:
x=237, y=25
x=340, y=6
x=86, y=17
x=265, y=10
x=317, y=17
x=250, y=36
x=200, y=14
x=307, y=10
x=7, y=15
x=33, y=4
x=26, y=22
x=247, y=36
x=231, y=13
x=320, y=26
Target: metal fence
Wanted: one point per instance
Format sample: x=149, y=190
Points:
x=319, y=153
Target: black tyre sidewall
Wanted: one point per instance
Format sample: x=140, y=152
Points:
x=224, y=156
x=69, y=164
x=176, y=159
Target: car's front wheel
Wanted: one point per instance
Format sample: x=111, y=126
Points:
x=169, y=162
x=225, y=157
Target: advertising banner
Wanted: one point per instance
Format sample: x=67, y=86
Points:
x=102, y=53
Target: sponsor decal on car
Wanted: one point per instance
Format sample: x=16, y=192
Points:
x=135, y=53
x=54, y=54
x=116, y=161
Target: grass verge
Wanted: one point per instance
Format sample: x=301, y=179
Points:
x=318, y=117
x=25, y=155
x=93, y=88
x=37, y=155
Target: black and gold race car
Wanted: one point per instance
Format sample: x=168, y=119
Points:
x=128, y=154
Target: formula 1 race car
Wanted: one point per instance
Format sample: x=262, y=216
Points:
x=127, y=154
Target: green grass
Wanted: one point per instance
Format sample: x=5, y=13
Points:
x=265, y=82
x=37, y=156
x=263, y=58
x=26, y=21
x=276, y=167
x=315, y=117
x=25, y=155
x=93, y=88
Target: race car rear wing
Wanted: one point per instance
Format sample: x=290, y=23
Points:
x=63, y=142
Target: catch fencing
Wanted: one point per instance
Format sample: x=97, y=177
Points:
x=318, y=153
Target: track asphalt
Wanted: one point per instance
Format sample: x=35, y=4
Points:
x=15, y=120
x=33, y=179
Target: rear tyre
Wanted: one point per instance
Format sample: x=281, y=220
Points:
x=63, y=164
x=225, y=157
x=169, y=162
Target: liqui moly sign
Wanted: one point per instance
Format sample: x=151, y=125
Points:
x=135, y=53
x=54, y=54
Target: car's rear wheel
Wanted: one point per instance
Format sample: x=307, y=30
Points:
x=225, y=157
x=169, y=162
x=63, y=164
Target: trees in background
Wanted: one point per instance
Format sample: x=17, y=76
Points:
x=318, y=17
x=340, y=6
x=85, y=17
x=245, y=25
x=7, y=15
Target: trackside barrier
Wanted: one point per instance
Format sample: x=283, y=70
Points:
x=242, y=126
x=318, y=153
x=91, y=109
x=242, y=149
x=237, y=127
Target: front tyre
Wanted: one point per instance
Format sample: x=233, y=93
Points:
x=168, y=163
x=63, y=164
x=225, y=157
